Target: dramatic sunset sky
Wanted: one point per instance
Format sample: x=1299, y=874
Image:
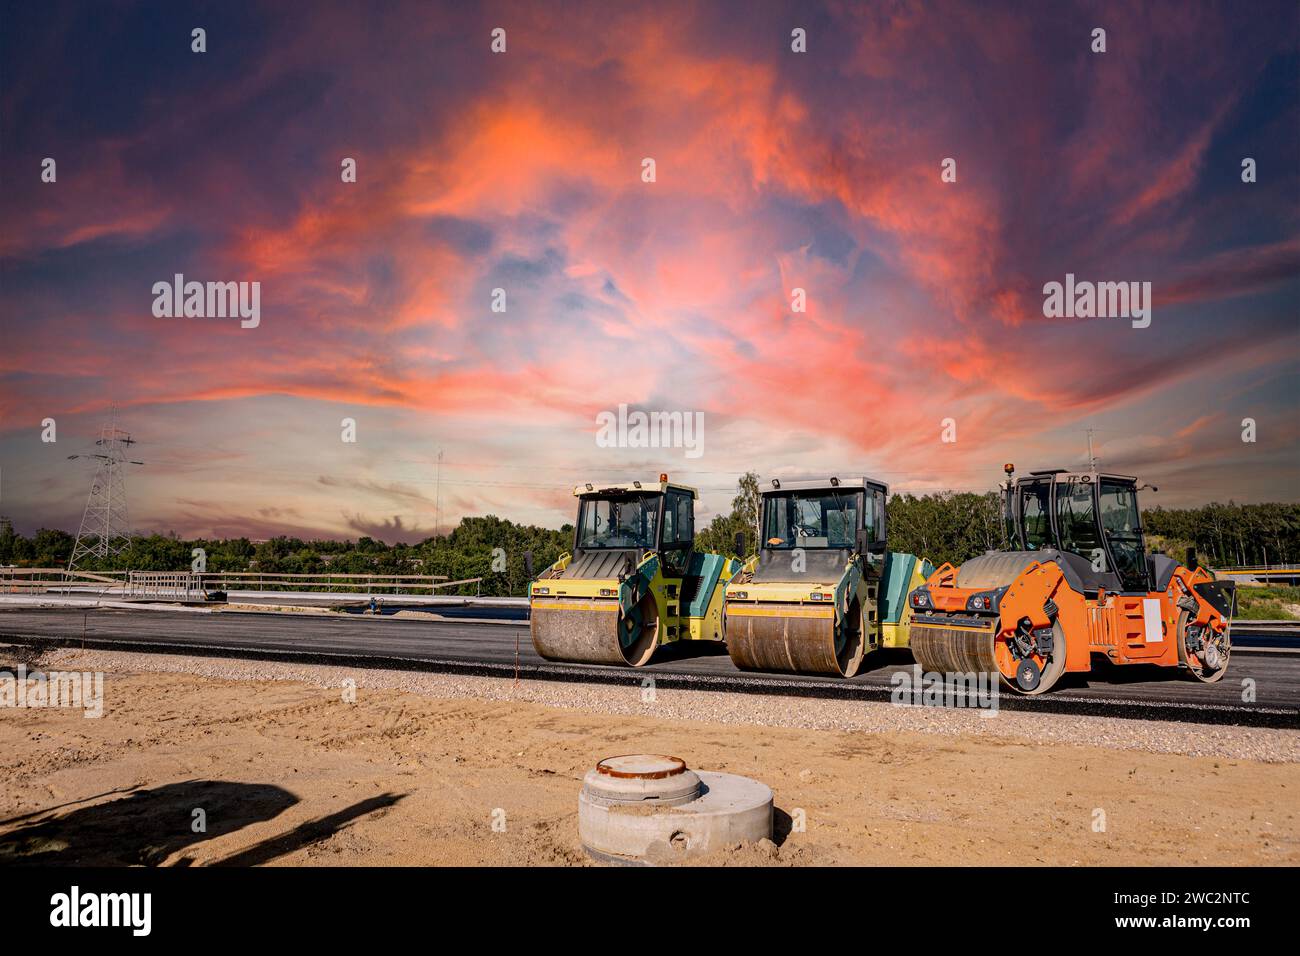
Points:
x=775, y=170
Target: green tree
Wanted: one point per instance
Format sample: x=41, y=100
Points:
x=51, y=548
x=720, y=535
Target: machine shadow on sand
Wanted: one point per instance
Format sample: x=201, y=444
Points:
x=142, y=827
x=145, y=827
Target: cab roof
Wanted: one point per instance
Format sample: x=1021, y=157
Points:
x=594, y=488
x=773, y=486
x=1061, y=474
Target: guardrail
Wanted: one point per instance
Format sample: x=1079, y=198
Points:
x=348, y=583
x=38, y=580
x=1262, y=567
x=23, y=580
x=1270, y=573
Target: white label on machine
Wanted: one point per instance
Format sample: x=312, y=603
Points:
x=1151, y=618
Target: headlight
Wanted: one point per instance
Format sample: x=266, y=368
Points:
x=541, y=590
x=982, y=602
x=739, y=595
x=920, y=599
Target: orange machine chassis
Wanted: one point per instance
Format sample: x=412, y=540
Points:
x=1119, y=626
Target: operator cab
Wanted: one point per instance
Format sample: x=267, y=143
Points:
x=632, y=519
x=828, y=520
x=1091, y=514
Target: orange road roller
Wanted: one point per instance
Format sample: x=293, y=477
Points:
x=1076, y=582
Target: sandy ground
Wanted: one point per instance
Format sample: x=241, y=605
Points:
x=422, y=769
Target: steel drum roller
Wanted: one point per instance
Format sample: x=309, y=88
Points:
x=790, y=638
x=592, y=631
x=955, y=649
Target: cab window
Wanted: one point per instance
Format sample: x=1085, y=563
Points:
x=1122, y=524
x=679, y=529
x=1035, y=516
x=811, y=519
x=1076, y=519
x=622, y=521
x=679, y=520
x=873, y=515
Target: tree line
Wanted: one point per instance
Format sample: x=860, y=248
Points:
x=1232, y=535
x=947, y=526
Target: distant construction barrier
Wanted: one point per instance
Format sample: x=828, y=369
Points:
x=164, y=586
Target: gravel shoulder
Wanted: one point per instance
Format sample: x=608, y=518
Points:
x=311, y=764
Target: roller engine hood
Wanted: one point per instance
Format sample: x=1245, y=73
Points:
x=821, y=566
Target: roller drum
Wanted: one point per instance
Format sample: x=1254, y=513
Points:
x=954, y=649
x=588, y=631
x=792, y=639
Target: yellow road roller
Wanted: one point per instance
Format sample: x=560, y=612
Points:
x=823, y=590
x=633, y=581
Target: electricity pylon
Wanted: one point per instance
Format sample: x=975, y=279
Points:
x=104, y=530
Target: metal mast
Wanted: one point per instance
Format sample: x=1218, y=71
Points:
x=104, y=531
x=437, y=497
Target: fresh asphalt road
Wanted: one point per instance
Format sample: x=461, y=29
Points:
x=490, y=648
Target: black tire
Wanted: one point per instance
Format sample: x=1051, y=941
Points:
x=1051, y=673
x=850, y=657
x=642, y=647
x=1192, y=667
